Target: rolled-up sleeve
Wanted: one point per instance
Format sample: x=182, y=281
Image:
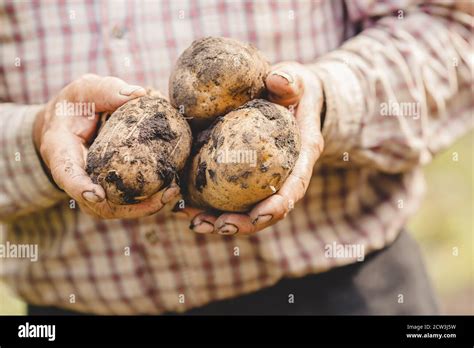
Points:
x=399, y=91
x=25, y=187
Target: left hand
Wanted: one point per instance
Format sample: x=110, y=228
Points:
x=289, y=84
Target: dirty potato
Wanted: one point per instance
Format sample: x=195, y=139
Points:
x=139, y=150
x=216, y=75
x=243, y=158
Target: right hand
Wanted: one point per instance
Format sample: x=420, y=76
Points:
x=63, y=141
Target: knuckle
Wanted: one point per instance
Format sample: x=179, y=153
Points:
x=301, y=182
x=110, y=81
x=280, y=213
x=84, y=80
x=108, y=104
x=88, y=78
x=279, y=216
x=312, y=147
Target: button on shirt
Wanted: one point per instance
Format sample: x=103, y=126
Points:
x=371, y=56
x=118, y=32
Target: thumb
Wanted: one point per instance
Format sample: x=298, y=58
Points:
x=285, y=86
x=107, y=93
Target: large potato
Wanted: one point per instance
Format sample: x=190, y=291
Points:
x=216, y=75
x=244, y=157
x=139, y=150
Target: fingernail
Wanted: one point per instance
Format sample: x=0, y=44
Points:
x=91, y=197
x=198, y=219
x=202, y=227
x=228, y=230
x=262, y=219
x=131, y=89
x=169, y=194
x=289, y=79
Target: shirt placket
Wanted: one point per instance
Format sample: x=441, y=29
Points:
x=116, y=39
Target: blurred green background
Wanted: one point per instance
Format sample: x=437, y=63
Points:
x=443, y=227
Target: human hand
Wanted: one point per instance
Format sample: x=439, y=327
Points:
x=63, y=131
x=292, y=85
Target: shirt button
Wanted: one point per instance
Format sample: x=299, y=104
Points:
x=152, y=237
x=118, y=32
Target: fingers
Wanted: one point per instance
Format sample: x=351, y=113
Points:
x=264, y=214
x=229, y=224
x=201, y=221
x=285, y=85
x=187, y=212
x=309, y=122
x=64, y=155
x=278, y=205
x=132, y=211
x=63, y=139
x=107, y=93
x=295, y=186
x=108, y=210
x=65, y=158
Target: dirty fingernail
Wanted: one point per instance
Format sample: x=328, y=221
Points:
x=228, y=229
x=203, y=227
x=169, y=194
x=289, y=79
x=131, y=89
x=91, y=197
x=262, y=219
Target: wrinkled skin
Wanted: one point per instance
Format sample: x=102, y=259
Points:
x=247, y=156
x=63, y=141
x=140, y=150
x=289, y=84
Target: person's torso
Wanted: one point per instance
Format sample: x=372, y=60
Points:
x=157, y=264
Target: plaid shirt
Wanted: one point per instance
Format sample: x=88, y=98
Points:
x=372, y=57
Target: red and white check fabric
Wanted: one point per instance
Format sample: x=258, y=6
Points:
x=369, y=55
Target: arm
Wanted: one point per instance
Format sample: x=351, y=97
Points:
x=421, y=60
x=24, y=187
x=416, y=63
x=55, y=145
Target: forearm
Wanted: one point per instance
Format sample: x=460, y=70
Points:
x=25, y=187
x=418, y=63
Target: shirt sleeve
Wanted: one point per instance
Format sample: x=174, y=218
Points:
x=400, y=90
x=24, y=186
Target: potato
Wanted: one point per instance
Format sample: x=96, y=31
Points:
x=216, y=75
x=243, y=158
x=139, y=150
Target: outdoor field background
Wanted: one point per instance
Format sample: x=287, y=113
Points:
x=444, y=222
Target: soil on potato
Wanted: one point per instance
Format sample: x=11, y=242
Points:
x=156, y=127
x=201, y=180
x=217, y=62
x=208, y=50
x=153, y=135
x=202, y=175
x=282, y=141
